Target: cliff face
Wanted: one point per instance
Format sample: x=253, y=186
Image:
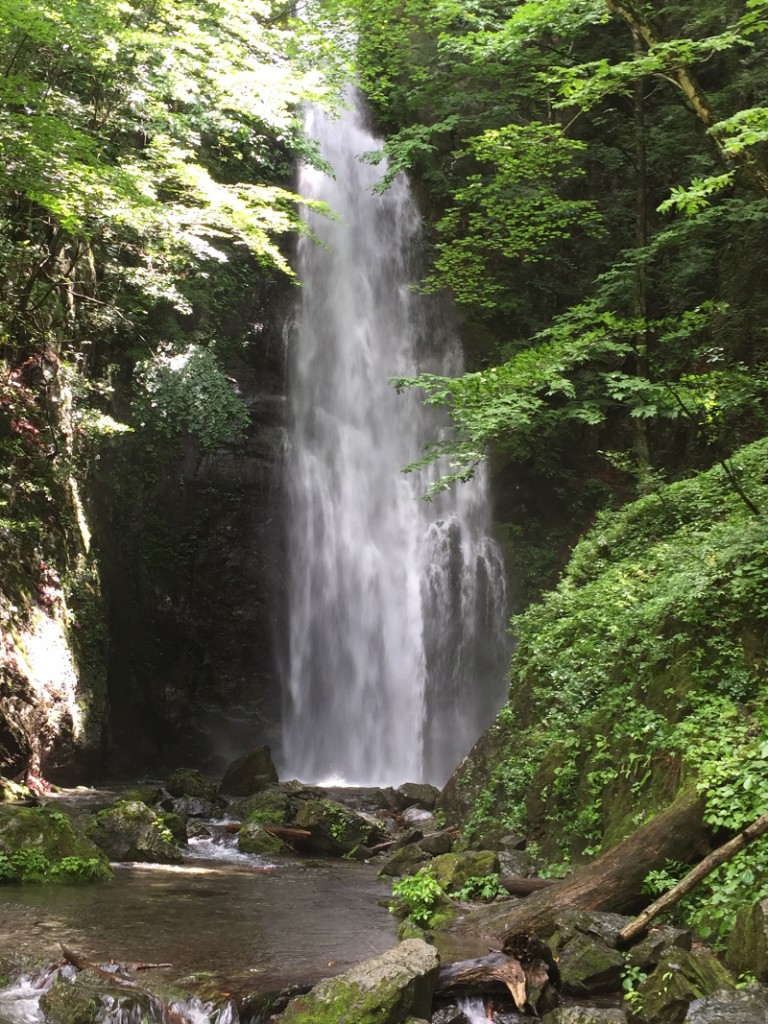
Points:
x=192, y=553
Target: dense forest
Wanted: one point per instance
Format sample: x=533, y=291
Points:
x=593, y=181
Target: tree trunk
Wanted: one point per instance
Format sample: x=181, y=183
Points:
x=684, y=886
x=612, y=882
x=684, y=78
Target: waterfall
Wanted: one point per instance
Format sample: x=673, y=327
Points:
x=397, y=647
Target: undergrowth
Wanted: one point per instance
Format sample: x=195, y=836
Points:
x=644, y=670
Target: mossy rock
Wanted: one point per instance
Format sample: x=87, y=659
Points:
x=253, y=839
x=384, y=990
x=588, y=967
x=747, y=951
x=405, y=861
x=584, y=1015
x=270, y=807
x=175, y=825
x=452, y=870
x=190, y=782
x=130, y=831
x=149, y=795
x=336, y=829
x=681, y=977
x=39, y=844
x=84, y=1000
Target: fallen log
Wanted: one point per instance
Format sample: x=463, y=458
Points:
x=289, y=836
x=705, y=867
x=165, y=1013
x=611, y=882
x=480, y=972
x=517, y=886
x=525, y=965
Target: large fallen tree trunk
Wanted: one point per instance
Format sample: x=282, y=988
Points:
x=685, y=885
x=612, y=882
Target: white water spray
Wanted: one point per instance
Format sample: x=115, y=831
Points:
x=397, y=607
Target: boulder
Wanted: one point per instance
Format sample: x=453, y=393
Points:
x=360, y=853
x=680, y=979
x=405, y=861
x=437, y=843
x=250, y=773
x=253, y=839
x=272, y=806
x=408, y=836
x=41, y=844
x=418, y=816
x=148, y=794
x=747, y=950
x=384, y=990
x=584, y=1015
x=190, y=782
x=362, y=798
x=419, y=794
x=588, y=966
x=517, y=863
x=646, y=954
x=453, y=869
x=129, y=830
x=194, y=807
x=336, y=829
x=176, y=825
x=598, y=924
x=749, y=1006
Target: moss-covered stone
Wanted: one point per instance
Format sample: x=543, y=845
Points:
x=584, y=1015
x=453, y=869
x=681, y=977
x=385, y=990
x=149, y=795
x=405, y=861
x=271, y=806
x=646, y=954
x=253, y=839
x=130, y=831
x=86, y=999
x=39, y=844
x=175, y=825
x=747, y=951
x=336, y=829
x=588, y=967
x=190, y=782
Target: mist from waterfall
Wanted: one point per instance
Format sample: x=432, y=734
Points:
x=397, y=646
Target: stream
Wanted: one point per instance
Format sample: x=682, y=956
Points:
x=238, y=920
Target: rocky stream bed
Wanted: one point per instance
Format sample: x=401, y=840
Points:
x=261, y=901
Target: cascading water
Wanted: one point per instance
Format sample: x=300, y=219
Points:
x=397, y=606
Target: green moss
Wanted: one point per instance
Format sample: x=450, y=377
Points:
x=42, y=845
x=340, y=1002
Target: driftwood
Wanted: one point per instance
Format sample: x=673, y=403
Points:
x=290, y=836
x=612, y=881
x=165, y=1013
x=517, y=886
x=525, y=965
x=684, y=886
x=478, y=973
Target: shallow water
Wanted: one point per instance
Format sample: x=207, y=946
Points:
x=250, y=926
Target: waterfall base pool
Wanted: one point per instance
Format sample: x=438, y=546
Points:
x=241, y=926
